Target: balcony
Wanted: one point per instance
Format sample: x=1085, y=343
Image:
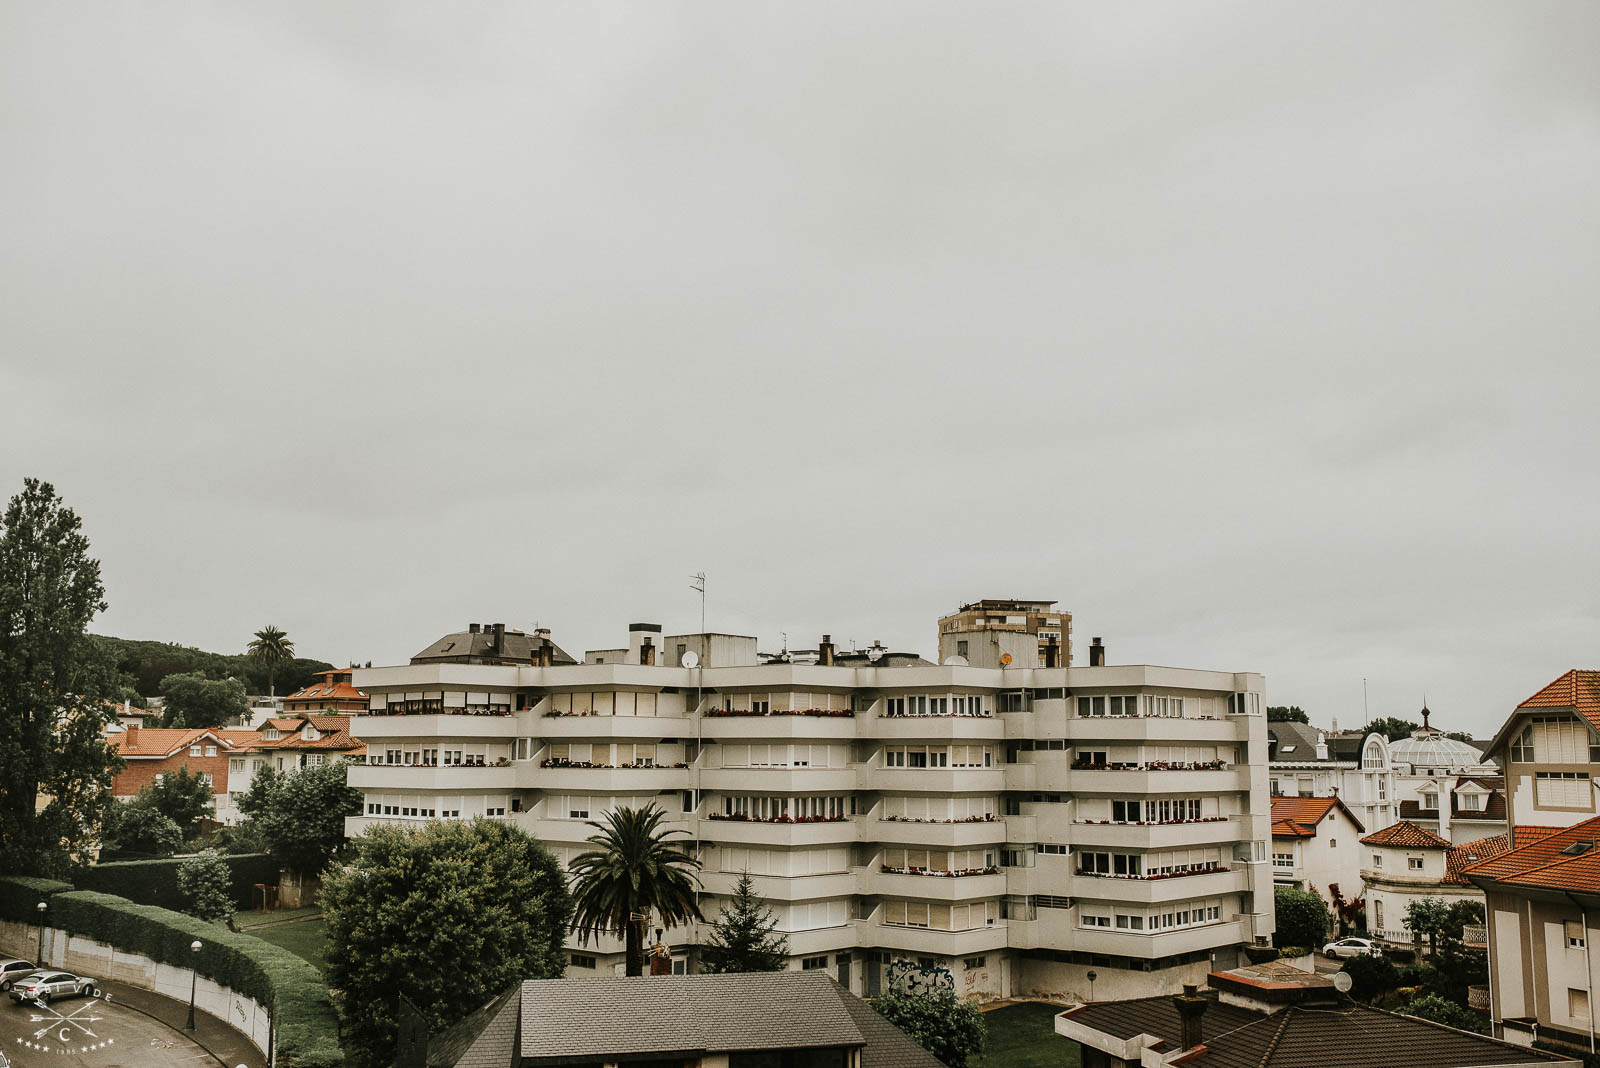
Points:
x=1053, y=929
x=954, y=835
x=784, y=887
x=784, y=780
x=1149, y=890
x=777, y=726
x=763, y=832
x=438, y=727
x=932, y=942
x=1137, y=781
x=1157, y=835
x=630, y=779
x=436, y=777
x=933, y=728
x=933, y=780
x=932, y=885
x=1154, y=729
x=603, y=728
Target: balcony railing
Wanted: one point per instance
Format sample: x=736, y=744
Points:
x=1204, y=819
x=941, y=872
x=739, y=817
x=1154, y=765
x=1210, y=869
x=963, y=819
x=938, y=715
x=437, y=707
x=824, y=712
x=371, y=760
x=558, y=762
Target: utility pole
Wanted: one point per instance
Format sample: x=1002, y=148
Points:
x=699, y=584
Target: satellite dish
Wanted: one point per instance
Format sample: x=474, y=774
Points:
x=1005, y=659
x=1342, y=982
x=691, y=659
x=955, y=661
x=874, y=655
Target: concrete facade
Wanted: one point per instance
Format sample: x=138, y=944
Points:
x=1015, y=827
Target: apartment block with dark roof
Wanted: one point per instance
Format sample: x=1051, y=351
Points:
x=1543, y=894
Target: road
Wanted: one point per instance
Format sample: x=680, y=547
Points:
x=92, y=1033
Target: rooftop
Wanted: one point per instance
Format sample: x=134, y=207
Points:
x=606, y=1018
x=490, y=644
x=1552, y=858
x=1298, y=816
x=1406, y=835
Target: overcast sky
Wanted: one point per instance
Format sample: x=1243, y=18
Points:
x=1262, y=336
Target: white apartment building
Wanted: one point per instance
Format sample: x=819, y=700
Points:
x=1018, y=826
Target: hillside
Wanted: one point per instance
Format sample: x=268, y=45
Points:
x=146, y=663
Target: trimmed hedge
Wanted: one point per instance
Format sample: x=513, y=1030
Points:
x=155, y=882
x=307, y=1032
x=20, y=896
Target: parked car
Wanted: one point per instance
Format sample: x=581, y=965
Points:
x=12, y=969
x=46, y=986
x=1353, y=947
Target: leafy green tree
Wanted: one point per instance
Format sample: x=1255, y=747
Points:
x=948, y=1027
x=206, y=886
x=184, y=797
x=742, y=936
x=1428, y=917
x=140, y=830
x=447, y=915
x=1440, y=1010
x=1390, y=727
x=145, y=663
x=300, y=814
x=1287, y=714
x=1302, y=918
x=272, y=649
x=1371, y=976
x=632, y=871
x=54, y=687
x=192, y=700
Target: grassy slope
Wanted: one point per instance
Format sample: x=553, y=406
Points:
x=1022, y=1036
x=307, y=938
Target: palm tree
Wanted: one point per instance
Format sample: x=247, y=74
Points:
x=632, y=871
x=272, y=649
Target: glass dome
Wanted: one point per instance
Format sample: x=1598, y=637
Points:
x=1430, y=749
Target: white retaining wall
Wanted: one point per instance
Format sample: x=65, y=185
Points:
x=100, y=961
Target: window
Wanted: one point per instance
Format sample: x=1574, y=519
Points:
x=1562, y=789
x=1333, y=843
x=194, y=750
x=1574, y=930
x=1095, y=921
x=1377, y=860
x=1383, y=788
x=211, y=750
x=813, y=963
x=1414, y=863
x=1048, y=847
x=1430, y=800
x=1283, y=860
x=961, y=648
x=1577, y=1003
x=581, y=960
x=1471, y=803
x=1377, y=910
x=1373, y=757
x=973, y=963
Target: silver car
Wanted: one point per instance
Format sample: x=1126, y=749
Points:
x=47, y=986
x=12, y=969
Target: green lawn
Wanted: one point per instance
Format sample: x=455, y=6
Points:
x=306, y=938
x=1022, y=1036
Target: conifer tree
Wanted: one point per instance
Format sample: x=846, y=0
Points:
x=741, y=938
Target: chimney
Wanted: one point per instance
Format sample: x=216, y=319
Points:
x=543, y=656
x=1191, y=1007
x=1052, y=653
x=1322, y=746
x=1447, y=800
x=472, y=628
x=133, y=735
x=647, y=653
x=498, y=641
x=1097, y=654
x=825, y=651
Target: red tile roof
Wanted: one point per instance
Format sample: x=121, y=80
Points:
x=1468, y=853
x=1299, y=816
x=1578, y=689
x=1538, y=859
x=162, y=741
x=1406, y=835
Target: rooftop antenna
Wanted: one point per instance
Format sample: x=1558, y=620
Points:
x=699, y=585
x=1364, y=713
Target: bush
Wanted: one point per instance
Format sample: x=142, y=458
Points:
x=155, y=882
x=1401, y=955
x=20, y=896
x=1371, y=976
x=946, y=1026
x=203, y=881
x=307, y=1032
x=1435, y=1008
x=1302, y=917
x=1294, y=951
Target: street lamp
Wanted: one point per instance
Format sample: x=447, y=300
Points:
x=1091, y=977
x=41, y=906
x=194, y=980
